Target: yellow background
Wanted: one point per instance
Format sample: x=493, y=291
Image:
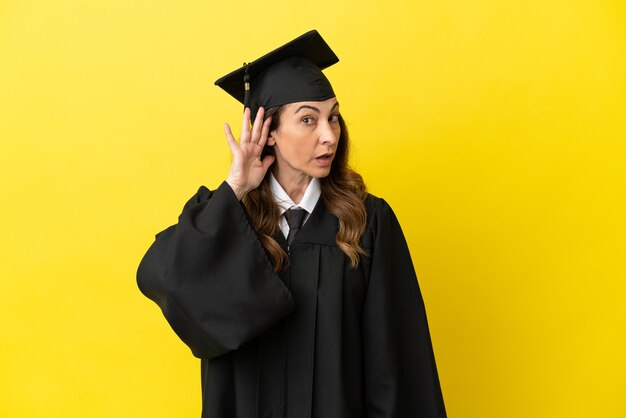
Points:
x=496, y=129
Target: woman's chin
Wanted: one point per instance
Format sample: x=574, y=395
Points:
x=320, y=172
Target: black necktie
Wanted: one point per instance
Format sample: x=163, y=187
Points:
x=295, y=219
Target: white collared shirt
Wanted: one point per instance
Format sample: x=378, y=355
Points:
x=284, y=202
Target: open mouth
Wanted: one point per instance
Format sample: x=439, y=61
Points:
x=324, y=160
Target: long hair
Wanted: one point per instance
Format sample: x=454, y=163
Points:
x=343, y=194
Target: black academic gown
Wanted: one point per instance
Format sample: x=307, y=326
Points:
x=319, y=339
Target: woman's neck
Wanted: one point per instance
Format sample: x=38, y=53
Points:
x=295, y=184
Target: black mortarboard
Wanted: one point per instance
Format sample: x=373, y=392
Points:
x=291, y=73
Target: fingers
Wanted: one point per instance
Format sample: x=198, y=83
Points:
x=232, y=143
x=265, y=131
x=256, y=128
x=257, y=134
x=245, y=126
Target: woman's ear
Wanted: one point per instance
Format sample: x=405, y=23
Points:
x=271, y=139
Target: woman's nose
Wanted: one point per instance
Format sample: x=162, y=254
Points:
x=328, y=135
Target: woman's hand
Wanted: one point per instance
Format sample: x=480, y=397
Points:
x=247, y=169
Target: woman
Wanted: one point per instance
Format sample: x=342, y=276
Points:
x=294, y=286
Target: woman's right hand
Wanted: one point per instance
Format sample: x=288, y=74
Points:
x=247, y=169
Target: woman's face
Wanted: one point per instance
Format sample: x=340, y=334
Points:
x=306, y=138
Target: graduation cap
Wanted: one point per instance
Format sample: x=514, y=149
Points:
x=288, y=74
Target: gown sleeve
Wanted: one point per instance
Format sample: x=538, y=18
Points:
x=211, y=277
x=401, y=377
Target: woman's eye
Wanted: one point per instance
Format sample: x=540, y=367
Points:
x=334, y=119
x=307, y=120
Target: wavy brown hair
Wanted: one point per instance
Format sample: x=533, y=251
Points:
x=343, y=194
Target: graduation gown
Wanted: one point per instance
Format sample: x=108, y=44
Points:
x=317, y=340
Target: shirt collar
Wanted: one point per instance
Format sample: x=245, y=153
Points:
x=284, y=202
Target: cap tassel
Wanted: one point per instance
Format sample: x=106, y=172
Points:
x=246, y=87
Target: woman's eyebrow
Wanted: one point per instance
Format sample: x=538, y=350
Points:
x=336, y=105
x=307, y=107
